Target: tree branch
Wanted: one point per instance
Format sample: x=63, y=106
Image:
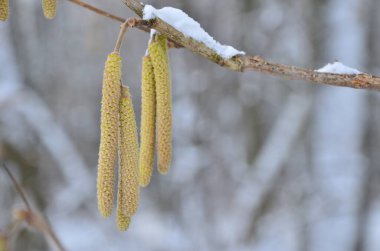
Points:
x=132, y=22
x=32, y=218
x=244, y=63
x=97, y=10
x=18, y=187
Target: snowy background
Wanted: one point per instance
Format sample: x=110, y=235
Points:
x=259, y=163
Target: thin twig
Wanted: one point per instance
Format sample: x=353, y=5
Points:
x=120, y=38
x=98, y=11
x=18, y=187
x=50, y=232
x=133, y=22
x=31, y=217
x=242, y=63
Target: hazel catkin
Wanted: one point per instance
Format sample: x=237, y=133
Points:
x=128, y=187
x=4, y=10
x=123, y=221
x=49, y=8
x=108, y=134
x=148, y=122
x=159, y=55
x=3, y=242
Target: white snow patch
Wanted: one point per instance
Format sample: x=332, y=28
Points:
x=152, y=32
x=338, y=68
x=190, y=28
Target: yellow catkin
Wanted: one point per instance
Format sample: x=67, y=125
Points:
x=128, y=187
x=148, y=122
x=109, y=134
x=3, y=243
x=49, y=8
x=159, y=55
x=4, y=10
x=123, y=221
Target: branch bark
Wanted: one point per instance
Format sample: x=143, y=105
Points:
x=256, y=63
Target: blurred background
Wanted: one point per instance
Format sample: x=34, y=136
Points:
x=259, y=163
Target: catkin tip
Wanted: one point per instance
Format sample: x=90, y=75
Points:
x=163, y=169
x=144, y=183
x=4, y=10
x=49, y=8
x=105, y=212
x=123, y=222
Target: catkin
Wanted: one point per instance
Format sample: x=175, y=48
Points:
x=128, y=187
x=160, y=61
x=4, y=10
x=3, y=243
x=108, y=134
x=49, y=8
x=148, y=122
x=123, y=221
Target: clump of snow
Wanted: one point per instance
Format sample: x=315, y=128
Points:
x=190, y=28
x=338, y=68
x=152, y=32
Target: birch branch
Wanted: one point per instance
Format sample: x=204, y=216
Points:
x=244, y=63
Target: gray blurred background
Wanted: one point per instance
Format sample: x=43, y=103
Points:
x=259, y=163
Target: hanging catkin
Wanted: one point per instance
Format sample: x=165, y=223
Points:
x=109, y=134
x=159, y=55
x=128, y=187
x=4, y=10
x=123, y=221
x=148, y=122
x=49, y=8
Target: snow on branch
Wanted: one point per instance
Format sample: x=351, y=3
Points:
x=176, y=25
x=190, y=28
x=338, y=68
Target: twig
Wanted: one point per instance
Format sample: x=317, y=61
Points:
x=243, y=63
x=50, y=233
x=33, y=219
x=133, y=22
x=18, y=187
x=120, y=38
x=97, y=10
x=38, y=222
